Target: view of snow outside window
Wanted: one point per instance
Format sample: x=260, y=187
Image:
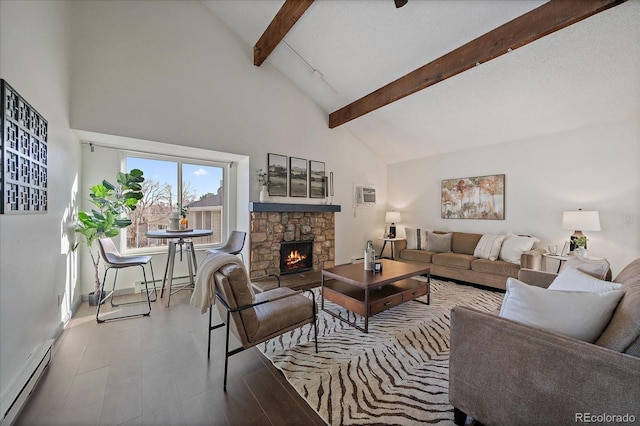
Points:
x=201, y=195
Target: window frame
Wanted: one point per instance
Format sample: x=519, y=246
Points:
x=179, y=161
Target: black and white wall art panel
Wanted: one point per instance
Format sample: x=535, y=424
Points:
x=23, y=151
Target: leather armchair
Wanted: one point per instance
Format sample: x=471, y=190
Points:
x=256, y=318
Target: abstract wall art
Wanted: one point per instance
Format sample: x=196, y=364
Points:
x=480, y=197
x=23, y=154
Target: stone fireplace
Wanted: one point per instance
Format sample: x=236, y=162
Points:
x=274, y=224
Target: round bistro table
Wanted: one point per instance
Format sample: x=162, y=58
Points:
x=179, y=238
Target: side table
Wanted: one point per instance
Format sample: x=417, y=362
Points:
x=562, y=259
x=393, y=246
x=559, y=258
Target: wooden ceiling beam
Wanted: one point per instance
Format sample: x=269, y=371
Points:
x=544, y=20
x=284, y=20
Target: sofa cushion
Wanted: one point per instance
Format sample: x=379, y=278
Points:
x=634, y=348
x=416, y=255
x=464, y=243
x=453, y=260
x=596, y=268
x=439, y=243
x=495, y=267
x=416, y=238
x=574, y=280
x=514, y=245
x=489, y=246
x=580, y=315
x=624, y=328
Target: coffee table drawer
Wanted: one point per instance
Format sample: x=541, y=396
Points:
x=385, y=303
x=414, y=293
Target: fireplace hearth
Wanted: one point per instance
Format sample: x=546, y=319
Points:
x=295, y=257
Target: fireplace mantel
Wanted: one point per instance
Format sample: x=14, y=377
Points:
x=285, y=207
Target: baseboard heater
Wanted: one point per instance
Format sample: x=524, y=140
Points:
x=138, y=285
x=14, y=398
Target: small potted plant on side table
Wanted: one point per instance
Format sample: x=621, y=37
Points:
x=581, y=247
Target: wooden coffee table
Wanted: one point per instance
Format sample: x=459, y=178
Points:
x=367, y=293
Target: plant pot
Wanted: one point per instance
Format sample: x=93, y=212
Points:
x=94, y=297
x=582, y=253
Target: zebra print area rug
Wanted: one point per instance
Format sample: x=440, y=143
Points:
x=396, y=374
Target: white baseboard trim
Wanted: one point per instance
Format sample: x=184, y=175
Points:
x=16, y=395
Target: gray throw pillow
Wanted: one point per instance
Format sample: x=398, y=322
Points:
x=439, y=243
x=597, y=268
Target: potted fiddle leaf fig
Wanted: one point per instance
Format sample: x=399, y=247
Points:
x=112, y=203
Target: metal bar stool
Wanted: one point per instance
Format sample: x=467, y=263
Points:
x=114, y=260
x=234, y=244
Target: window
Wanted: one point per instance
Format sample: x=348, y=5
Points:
x=196, y=185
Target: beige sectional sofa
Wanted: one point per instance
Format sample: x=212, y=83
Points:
x=502, y=372
x=461, y=264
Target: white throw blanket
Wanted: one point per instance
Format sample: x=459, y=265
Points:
x=204, y=292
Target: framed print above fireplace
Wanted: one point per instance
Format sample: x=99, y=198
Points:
x=317, y=181
x=297, y=177
x=480, y=197
x=277, y=173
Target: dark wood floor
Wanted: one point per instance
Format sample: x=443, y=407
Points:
x=154, y=370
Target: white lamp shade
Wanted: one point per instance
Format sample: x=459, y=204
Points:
x=393, y=217
x=581, y=220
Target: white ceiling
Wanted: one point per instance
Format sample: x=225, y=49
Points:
x=583, y=75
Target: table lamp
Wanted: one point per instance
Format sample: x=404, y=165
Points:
x=392, y=218
x=579, y=221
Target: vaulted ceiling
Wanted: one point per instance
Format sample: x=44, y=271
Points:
x=337, y=52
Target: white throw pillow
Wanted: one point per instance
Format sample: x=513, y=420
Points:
x=573, y=280
x=580, y=315
x=489, y=246
x=595, y=268
x=416, y=238
x=514, y=245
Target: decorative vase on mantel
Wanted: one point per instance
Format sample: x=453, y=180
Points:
x=264, y=194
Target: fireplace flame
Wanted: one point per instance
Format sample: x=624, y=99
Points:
x=294, y=257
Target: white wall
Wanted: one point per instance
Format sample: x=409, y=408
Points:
x=171, y=72
x=593, y=169
x=37, y=264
